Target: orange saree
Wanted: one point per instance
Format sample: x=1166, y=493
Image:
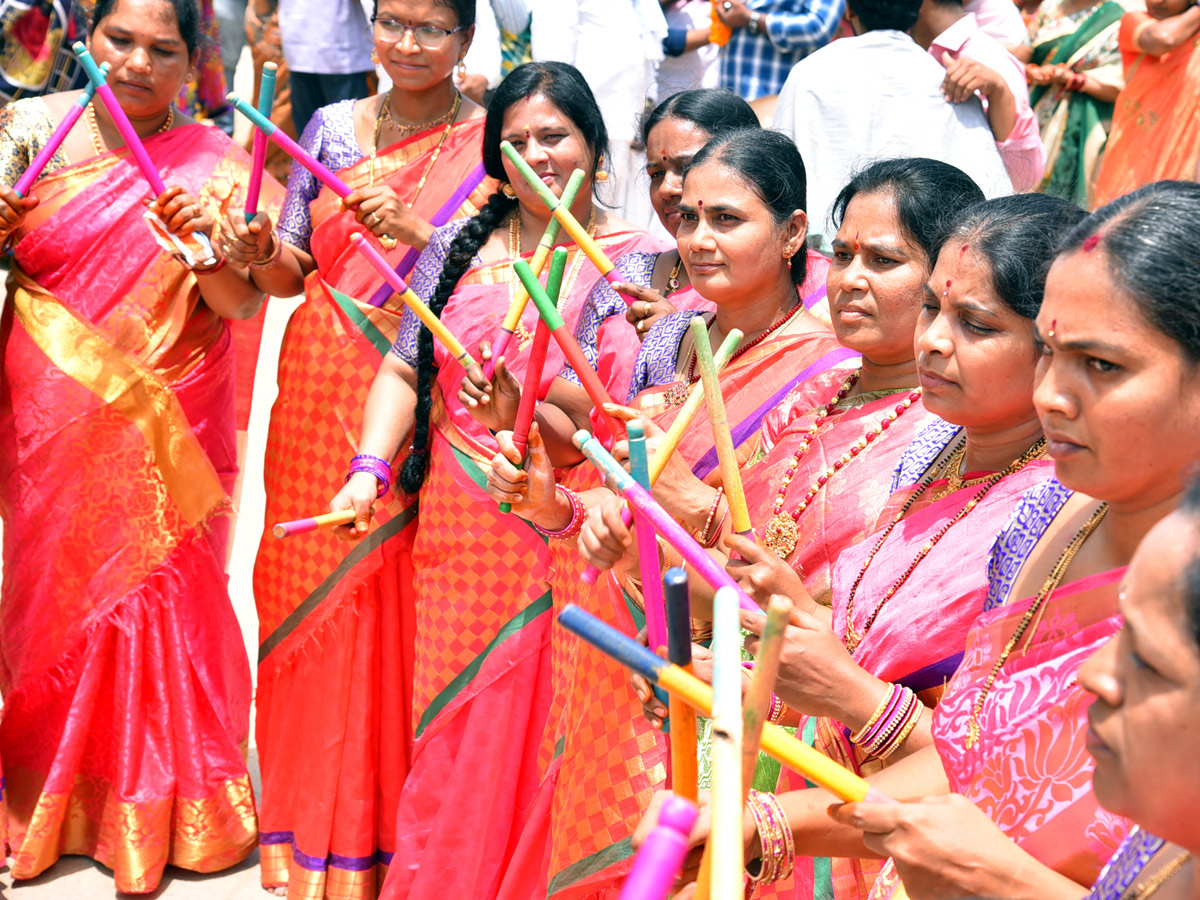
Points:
x=126, y=687
x=335, y=618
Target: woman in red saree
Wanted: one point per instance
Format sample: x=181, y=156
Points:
x=1117, y=401
x=335, y=621
x=126, y=688
x=481, y=690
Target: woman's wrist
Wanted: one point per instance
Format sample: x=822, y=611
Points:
x=555, y=515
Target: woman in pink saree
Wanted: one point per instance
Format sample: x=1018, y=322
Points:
x=125, y=681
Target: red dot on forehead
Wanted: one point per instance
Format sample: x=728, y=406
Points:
x=856, y=240
x=1090, y=244
x=965, y=248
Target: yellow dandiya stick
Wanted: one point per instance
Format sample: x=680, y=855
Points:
x=670, y=442
x=725, y=839
x=413, y=302
x=731, y=477
x=562, y=212
x=301, y=526
x=796, y=755
x=544, y=248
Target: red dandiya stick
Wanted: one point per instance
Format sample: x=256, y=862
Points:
x=124, y=126
x=412, y=301
x=301, y=526
x=537, y=362
x=266, y=101
x=566, y=341
x=30, y=175
x=515, y=309
x=562, y=212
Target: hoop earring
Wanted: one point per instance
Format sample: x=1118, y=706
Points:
x=462, y=70
x=508, y=191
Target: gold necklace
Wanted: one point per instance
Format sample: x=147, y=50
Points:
x=853, y=636
x=952, y=472
x=94, y=128
x=1035, y=609
x=385, y=115
x=448, y=118
x=514, y=253
x=1163, y=875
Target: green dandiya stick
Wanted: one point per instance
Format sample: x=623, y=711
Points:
x=731, y=477
x=562, y=212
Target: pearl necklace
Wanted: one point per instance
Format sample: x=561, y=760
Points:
x=854, y=637
x=782, y=531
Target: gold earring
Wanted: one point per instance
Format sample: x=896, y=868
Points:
x=375, y=57
x=508, y=191
x=462, y=70
x=788, y=254
x=601, y=174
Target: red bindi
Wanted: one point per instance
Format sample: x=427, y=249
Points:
x=856, y=240
x=965, y=248
x=1090, y=244
x=1053, y=325
x=699, y=204
x=946, y=292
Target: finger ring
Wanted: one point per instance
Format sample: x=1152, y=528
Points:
x=191, y=211
x=727, y=6
x=375, y=220
x=641, y=325
x=647, y=309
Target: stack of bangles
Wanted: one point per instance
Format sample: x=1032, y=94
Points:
x=777, y=710
x=1076, y=81
x=578, y=515
x=273, y=256
x=380, y=468
x=891, y=724
x=775, y=836
x=707, y=536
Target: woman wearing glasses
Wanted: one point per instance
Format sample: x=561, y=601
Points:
x=332, y=722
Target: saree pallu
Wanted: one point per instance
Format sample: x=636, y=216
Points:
x=918, y=636
x=126, y=688
x=611, y=760
x=1155, y=132
x=483, y=707
x=1075, y=126
x=335, y=618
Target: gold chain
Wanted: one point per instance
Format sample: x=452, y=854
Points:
x=447, y=118
x=94, y=127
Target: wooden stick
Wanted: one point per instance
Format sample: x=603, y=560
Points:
x=684, y=775
x=679, y=425
x=301, y=526
x=43, y=157
x=517, y=308
x=731, y=477
x=266, y=102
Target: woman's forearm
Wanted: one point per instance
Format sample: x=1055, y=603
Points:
x=389, y=413
x=284, y=277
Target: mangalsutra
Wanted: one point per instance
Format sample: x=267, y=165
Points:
x=514, y=253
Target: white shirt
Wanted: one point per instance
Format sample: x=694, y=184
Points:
x=483, y=57
x=698, y=68
x=327, y=38
x=878, y=96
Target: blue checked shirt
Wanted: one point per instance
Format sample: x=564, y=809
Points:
x=757, y=65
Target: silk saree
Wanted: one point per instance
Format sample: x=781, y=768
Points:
x=336, y=620
x=126, y=686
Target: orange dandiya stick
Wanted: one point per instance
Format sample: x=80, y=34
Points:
x=517, y=308
x=413, y=302
x=301, y=526
x=731, y=476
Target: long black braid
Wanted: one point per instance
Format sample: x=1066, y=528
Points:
x=565, y=88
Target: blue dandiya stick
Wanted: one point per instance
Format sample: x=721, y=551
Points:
x=537, y=362
x=661, y=856
x=674, y=533
x=796, y=755
x=684, y=769
x=266, y=102
x=35, y=169
x=124, y=126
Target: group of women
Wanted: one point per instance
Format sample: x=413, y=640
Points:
x=953, y=437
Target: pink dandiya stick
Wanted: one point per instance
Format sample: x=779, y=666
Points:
x=562, y=212
x=301, y=526
x=124, y=126
x=266, y=101
x=31, y=174
x=661, y=856
x=412, y=301
x=671, y=531
x=647, y=544
x=517, y=308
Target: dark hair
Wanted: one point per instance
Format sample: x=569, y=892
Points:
x=1149, y=240
x=1018, y=236
x=464, y=9
x=1190, y=507
x=878, y=15
x=563, y=86
x=716, y=112
x=928, y=193
x=187, y=15
x=772, y=166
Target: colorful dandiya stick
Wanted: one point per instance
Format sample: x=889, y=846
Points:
x=301, y=526
x=660, y=858
x=671, y=531
x=652, y=595
x=566, y=341
x=685, y=777
x=412, y=301
x=266, y=102
x=670, y=441
x=731, y=476
x=537, y=362
x=562, y=212
x=762, y=686
x=725, y=847
x=124, y=126
x=517, y=308
x=777, y=743
x=43, y=157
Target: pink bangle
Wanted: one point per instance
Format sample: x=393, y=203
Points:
x=578, y=515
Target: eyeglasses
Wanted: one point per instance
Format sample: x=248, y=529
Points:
x=428, y=37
